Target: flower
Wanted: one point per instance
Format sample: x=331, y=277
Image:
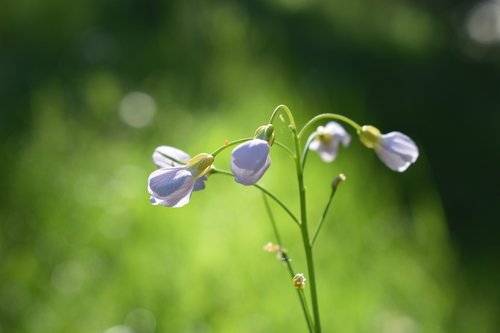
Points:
x=166, y=156
x=299, y=281
x=326, y=140
x=395, y=149
x=275, y=248
x=172, y=186
x=249, y=161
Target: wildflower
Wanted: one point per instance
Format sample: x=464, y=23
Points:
x=272, y=248
x=299, y=281
x=172, y=186
x=395, y=149
x=326, y=140
x=276, y=248
x=166, y=156
x=250, y=160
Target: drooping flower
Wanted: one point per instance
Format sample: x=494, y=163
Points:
x=166, y=156
x=395, y=149
x=326, y=140
x=250, y=160
x=172, y=186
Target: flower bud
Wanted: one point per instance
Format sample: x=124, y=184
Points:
x=339, y=179
x=299, y=281
x=370, y=136
x=266, y=133
x=200, y=164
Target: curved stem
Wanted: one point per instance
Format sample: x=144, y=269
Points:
x=272, y=196
x=229, y=144
x=306, y=151
x=288, y=113
x=284, y=147
x=334, y=116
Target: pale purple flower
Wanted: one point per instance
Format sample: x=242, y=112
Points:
x=172, y=186
x=250, y=160
x=166, y=156
x=326, y=140
x=395, y=149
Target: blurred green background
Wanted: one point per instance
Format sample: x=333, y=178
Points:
x=89, y=88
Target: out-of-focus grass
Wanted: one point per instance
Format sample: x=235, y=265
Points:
x=85, y=251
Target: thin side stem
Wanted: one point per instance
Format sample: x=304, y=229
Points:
x=264, y=190
x=288, y=264
x=229, y=144
x=285, y=148
x=273, y=221
x=306, y=151
x=334, y=116
x=339, y=179
x=287, y=112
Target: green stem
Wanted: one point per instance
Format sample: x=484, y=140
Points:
x=285, y=148
x=340, y=178
x=305, y=236
x=288, y=264
x=272, y=196
x=334, y=116
x=306, y=151
x=287, y=112
x=303, y=215
x=229, y=144
x=273, y=221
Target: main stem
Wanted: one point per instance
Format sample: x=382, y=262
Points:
x=305, y=234
x=302, y=196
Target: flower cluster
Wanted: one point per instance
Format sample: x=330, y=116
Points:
x=178, y=174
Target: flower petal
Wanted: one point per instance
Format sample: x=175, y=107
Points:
x=397, y=151
x=250, y=160
x=171, y=187
x=162, y=161
x=337, y=130
x=199, y=183
x=327, y=140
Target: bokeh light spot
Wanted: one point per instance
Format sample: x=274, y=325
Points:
x=483, y=22
x=68, y=277
x=137, y=109
x=119, y=329
x=141, y=321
